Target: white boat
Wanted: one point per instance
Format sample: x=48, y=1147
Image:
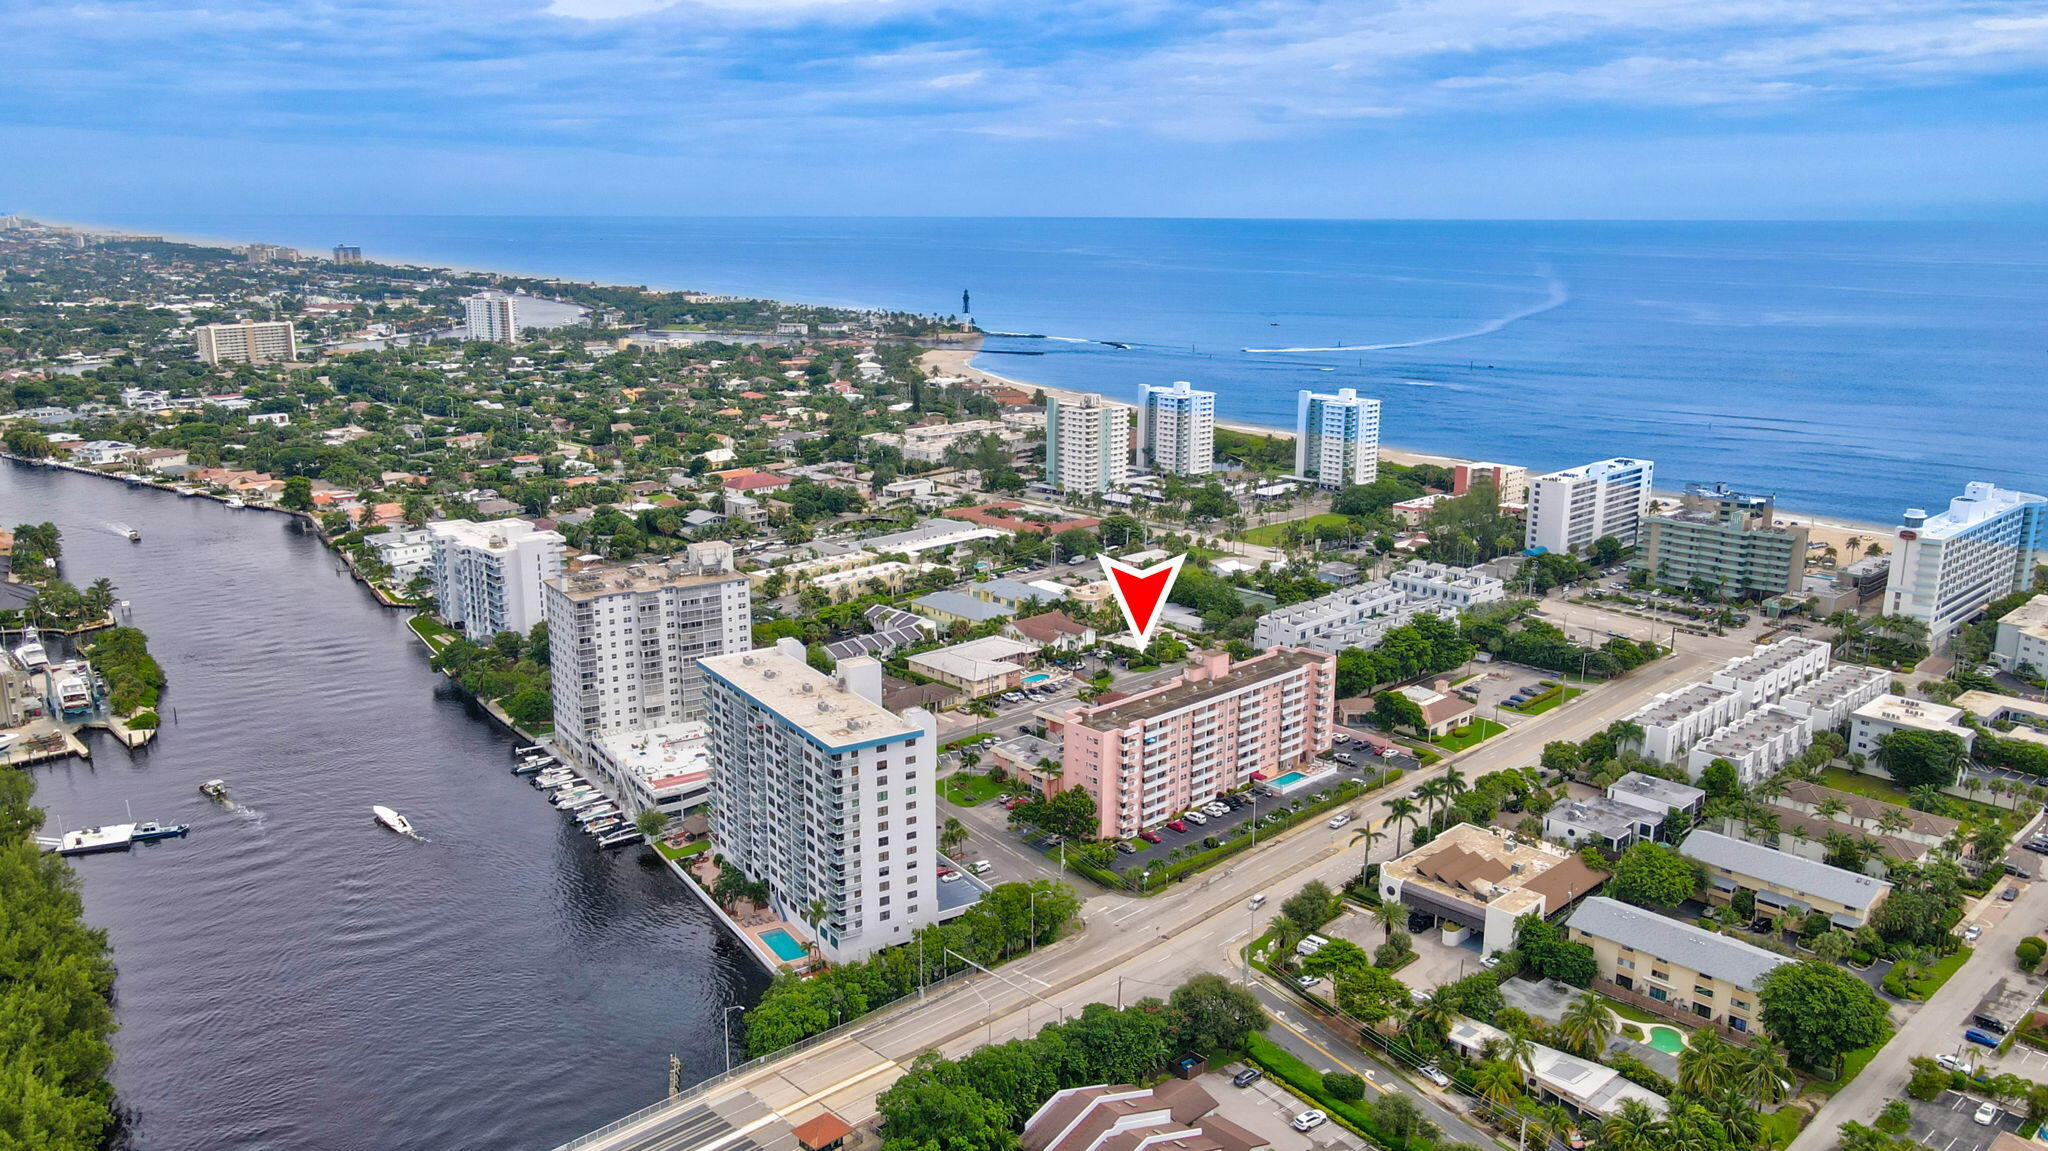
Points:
x=591, y=815
x=74, y=697
x=31, y=653
x=235, y=502
x=132, y=534
x=9, y=739
x=87, y=840
x=392, y=820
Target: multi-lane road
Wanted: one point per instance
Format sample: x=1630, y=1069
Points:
x=1128, y=948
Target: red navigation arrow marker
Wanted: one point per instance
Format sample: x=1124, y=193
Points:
x=1142, y=592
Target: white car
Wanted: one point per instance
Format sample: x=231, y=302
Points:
x=1339, y=820
x=1432, y=1073
x=1310, y=1120
x=1491, y=961
x=1217, y=809
x=1975, y=930
x=1949, y=1062
x=1308, y=981
x=1195, y=817
x=1985, y=1116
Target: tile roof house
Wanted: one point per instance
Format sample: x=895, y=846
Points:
x=1176, y=1114
x=1053, y=630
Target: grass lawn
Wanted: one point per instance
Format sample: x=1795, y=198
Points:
x=969, y=741
x=1273, y=534
x=1869, y=786
x=1471, y=733
x=969, y=790
x=436, y=634
x=1931, y=980
x=1542, y=706
x=685, y=851
x=1780, y=1126
x=1630, y=1011
x=1852, y=1065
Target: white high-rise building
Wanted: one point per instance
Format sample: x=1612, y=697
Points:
x=624, y=640
x=824, y=795
x=1337, y=438
x=1570, y=509
x=488, y=577
x=1177, y=429
x=492, y=316
x=1946, y=568
x=1087, y=444
x=249, y=342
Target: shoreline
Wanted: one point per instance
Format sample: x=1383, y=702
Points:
x=1835, y=531
x=956, y=360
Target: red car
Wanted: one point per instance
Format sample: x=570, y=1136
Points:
x=1176, y=825
x=1015, y=803
x=1149, y=836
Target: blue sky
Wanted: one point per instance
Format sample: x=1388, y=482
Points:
x=1385, y=108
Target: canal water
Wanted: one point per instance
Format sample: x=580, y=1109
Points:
x=294, y=976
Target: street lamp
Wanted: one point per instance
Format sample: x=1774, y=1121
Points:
x=728, y=1035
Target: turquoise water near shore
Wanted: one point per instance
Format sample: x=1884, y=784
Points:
x=1853, y=369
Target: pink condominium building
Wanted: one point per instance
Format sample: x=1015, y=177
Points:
x=1148, y=757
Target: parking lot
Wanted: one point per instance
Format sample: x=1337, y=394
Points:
x=1267, y=1108
x=1949, y=1123
x=1490, y=690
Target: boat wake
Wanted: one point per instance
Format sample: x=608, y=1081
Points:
x=1559, y=294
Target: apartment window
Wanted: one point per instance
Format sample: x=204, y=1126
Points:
x=1656, y=974
x=1626, y=964
x=1739, y=1004
x=1703, y=992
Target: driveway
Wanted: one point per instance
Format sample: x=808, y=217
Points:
x=1949, y=1123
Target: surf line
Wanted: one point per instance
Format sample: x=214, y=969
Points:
x=1559, y=294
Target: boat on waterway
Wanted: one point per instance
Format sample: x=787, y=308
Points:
x=393, y=820
x=214, y=789
x=619, y=839
x=31, y=654
x=149, y=830
x=91, y=840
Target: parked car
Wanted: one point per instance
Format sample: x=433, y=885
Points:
x=1247, y=1077
x=1309, y=1120
x=1196, y=818
x=1217, y=809
x=1308, y=981
x=2009, y=894
x=1491, y=961
x=1124, y=845
x=1972, y=932
x=1986, y=1038
x=1435, y=1075
x=1175, y=825
x=1987, y=1114
x=1151, y=837
x=2038, y=845
x=980, y=867
x=1952, y=1063
x=949, y=877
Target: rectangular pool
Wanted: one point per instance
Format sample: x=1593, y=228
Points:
x=1288, y=780
x=1036, y=677
x=783, y=944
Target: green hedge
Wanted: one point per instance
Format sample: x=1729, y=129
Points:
x=1307, y=1082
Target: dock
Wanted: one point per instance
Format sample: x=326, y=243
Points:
x=42, y=740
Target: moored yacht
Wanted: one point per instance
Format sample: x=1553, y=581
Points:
x=31, y=654
x=150, y=829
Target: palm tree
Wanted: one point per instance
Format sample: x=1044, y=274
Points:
x=1554, y=1123
x=1738, y=1119
x=1519, y=1051
x=1399, y=812
x=1761, y=1073
x=1434, y=1015
x=1625, y=733
x=1632, y=1127
x=1587, y=1024
x=1829, y=808
x=1893, y=821
x=1285, y=932
x=1703, y=1067
x=1498, y=1081
x=1453, y=781
x=1431, y=794
x=1371, y=836
x=1389, y=915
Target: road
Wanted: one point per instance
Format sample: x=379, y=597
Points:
x=1936, y=1027
x=1129, y=948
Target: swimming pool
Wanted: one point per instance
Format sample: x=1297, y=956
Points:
x=1666, y=1039
x=1288, y=780
x=783, y=944
x=1036, y=677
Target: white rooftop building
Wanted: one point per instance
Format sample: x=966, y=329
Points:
x=1336, y=438
x=1087, y=444
x=1569, y=510
x=488, y=576
x=1177, y=429
x=1947, y=567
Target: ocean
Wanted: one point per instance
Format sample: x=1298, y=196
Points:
x=1852, y=369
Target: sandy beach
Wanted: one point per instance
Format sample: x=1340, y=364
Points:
x=1832, y=531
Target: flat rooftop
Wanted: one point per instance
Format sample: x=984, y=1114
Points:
x=1674, y=706
x=664, y=756
x=614, y=579
x=1840, y=681
x=1922, y=714
x=809, y=699
x=1750, y=732
x=1181, y=693
x=1655, y=790
x=1770, y=657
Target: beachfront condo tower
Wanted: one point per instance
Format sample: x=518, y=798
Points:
x=492, y=316
x=249, y=342
x=1569, y=510
x=488, y=576
x=1087, y=445
x=624, y=641
x=1946, y=568
x=1177, y=429
x=1337, y=438
x=825, y=796
x=1725, y=541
